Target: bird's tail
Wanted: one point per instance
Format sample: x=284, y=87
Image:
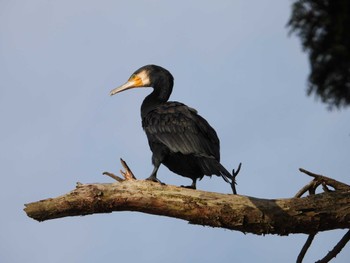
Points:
x=211, y=166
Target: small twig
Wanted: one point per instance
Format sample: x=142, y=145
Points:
x=311, y=187
x=234, y=175
x=117, y=178
x=128, y=174
x=325, y=187
x=335, y=251
x=326, y=180
x=305, y=248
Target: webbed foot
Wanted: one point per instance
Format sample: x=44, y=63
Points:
x=192, y=186
x=189, y=186
x=154, y=179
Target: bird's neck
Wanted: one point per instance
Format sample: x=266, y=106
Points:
x=156, y=98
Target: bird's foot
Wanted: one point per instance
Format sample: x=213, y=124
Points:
x=154, y=179
x=189, y=186
x=192, y=186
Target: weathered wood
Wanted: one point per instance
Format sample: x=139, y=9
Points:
x=307, y=215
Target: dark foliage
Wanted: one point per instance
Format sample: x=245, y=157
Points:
x=324, y=29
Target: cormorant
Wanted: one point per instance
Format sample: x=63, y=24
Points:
x=178, y=137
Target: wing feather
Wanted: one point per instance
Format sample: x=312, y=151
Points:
x=181, y=129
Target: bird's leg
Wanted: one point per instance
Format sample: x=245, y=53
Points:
x=153, y=176
x=192, y=186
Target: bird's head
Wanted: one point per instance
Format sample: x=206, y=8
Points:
x=147, y=76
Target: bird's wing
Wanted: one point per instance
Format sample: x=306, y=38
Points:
x=182, y=130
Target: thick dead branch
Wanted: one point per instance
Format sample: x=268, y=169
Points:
x=307, y=215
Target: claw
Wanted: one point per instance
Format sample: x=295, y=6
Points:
x=192, y=186
x=154, y=179
x=189, y=186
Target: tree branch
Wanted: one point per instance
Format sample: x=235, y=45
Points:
x=335, y=251
x=320, y=179
x=307, y=215
x=305, y=248
x=311, y=188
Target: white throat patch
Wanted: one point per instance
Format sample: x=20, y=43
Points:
x=144, y=78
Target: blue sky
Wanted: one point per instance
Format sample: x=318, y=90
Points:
x=232, y=60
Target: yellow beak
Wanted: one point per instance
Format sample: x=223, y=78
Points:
x=128, y=85
x=133, y=82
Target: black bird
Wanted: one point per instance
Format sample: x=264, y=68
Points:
x=178, y=137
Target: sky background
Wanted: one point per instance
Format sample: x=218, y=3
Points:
x=232, y=60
